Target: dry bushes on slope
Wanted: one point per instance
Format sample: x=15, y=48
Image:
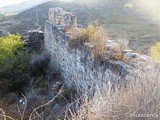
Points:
x=93, y=35
x=138, y=100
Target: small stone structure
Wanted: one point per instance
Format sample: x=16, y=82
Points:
x=62, y=18
x=77, y=66
x=35, y=40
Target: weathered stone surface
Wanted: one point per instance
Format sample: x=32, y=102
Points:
x=77, y=66
x=113, y=50
x=35, y=40
x=63, y=18
x=137, y=60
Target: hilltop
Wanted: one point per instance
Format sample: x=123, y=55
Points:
x=118, y=21
x=72, y=72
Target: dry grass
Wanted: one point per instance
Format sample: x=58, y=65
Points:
x=97, y=37
x=19, y=112
x=139, y=99
x=136, y=99
x=155, y=51
x=94, y=35
x=124, y=44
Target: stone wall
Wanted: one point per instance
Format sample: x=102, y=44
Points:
x=62, y=18
x=35, y=40
x=77, y=66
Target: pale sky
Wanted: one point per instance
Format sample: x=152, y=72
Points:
x=9, y=2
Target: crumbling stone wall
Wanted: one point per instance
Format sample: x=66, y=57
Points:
x=77, y=66
x=35, y=40
x=62, y=18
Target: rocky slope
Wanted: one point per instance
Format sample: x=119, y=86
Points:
x=118, y=21
x=77, y=65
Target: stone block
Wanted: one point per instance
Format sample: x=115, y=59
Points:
x=63, y=18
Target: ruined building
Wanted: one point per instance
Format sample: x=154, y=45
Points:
x=77, y=66
x=35, y=40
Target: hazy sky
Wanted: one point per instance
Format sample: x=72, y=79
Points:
x=9, y=2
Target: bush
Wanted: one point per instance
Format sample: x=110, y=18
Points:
x=123, y=43
x=5, y=85
x=13, y=56
x=94, y=35
x=69, y=92
x=13, y=63
x=155, y=51
x=132, y=100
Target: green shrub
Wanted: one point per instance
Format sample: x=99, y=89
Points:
x=5, y=85
x=13, y=56
x=69, y=92
x=43, y=84
x=13, y=63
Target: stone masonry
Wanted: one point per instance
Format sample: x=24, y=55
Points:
x=62, y=18
x=77, y=66
x=35, y=40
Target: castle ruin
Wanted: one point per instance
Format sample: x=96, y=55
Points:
x=77, y=66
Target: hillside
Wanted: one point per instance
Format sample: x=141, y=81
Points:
x=71, y=73
x=119, y=22
x=17, y=8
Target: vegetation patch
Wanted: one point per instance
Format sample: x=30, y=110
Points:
x=155, y=51
x=69, y=92
x=93, y=36
x=13, y=60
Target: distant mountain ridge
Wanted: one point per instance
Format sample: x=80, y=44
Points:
x=17, y=8
x=117, y=20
